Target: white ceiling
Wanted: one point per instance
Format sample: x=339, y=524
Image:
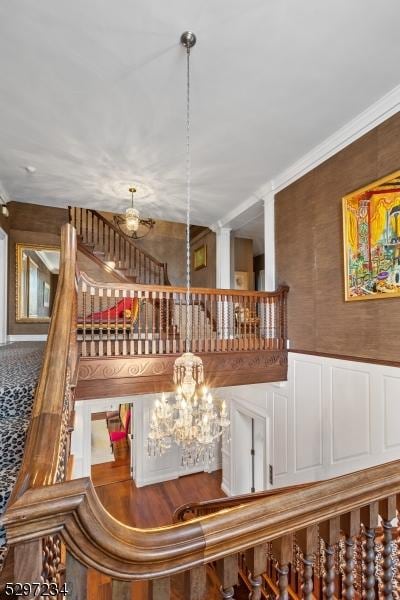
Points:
x=92, y=94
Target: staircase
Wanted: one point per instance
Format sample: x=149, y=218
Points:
x=114, y=251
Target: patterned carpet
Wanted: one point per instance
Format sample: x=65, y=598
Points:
x=20, y=364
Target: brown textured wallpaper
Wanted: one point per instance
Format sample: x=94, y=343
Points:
x=30, y=224
x=309, y=248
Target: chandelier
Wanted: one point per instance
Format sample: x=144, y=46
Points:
x=190, y=419
x=131, y=224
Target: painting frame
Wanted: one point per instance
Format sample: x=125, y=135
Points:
x=241, y=280
x=371, y=240
x=200, y=257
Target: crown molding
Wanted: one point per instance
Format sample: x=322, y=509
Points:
x=371, y=117
x=367, y=120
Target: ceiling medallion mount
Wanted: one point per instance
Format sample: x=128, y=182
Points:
x=131, y=224
x=188, y=39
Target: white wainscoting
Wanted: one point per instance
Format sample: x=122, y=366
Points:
x=330, y=418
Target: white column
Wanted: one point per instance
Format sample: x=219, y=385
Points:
x=223, y=257
x=269, y=241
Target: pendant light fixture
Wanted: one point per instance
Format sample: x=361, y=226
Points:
x=193, y=421
x=131, y=224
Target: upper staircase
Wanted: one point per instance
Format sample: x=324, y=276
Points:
x=114, y=251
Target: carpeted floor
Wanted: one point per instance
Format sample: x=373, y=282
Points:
x=20, y=364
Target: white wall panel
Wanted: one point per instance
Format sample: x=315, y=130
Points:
x=350, y=413
x=308, y=414
x=391, y=411
x=280, y=433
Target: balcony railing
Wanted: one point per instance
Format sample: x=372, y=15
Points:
x=133, y=319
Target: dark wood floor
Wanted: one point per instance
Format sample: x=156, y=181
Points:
x=149, y=506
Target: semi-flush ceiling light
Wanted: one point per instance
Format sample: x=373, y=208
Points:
x=131, y=224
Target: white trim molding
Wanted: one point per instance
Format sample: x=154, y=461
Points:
x=371, y=117
x=24, y=337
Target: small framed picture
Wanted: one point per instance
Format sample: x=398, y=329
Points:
x=46, y=294
x=200, y=257
x=241, y=280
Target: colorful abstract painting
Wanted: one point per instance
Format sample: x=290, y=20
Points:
x=371, y=222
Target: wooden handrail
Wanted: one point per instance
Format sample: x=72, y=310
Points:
x=282, y=290
x=198, y=509
x=111, y=225
x=41, y=458
x=100, y=541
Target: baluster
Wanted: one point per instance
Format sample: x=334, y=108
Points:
x=308, y=542
x=100, y=344
x=192, y=321
x=86, y=225
x=159, y=589
x=199, y=314
x=130, y=260
x=92, y=351
x=135, y=262
x=387, y=510
x=116, y=337
x=180, y=324
x=109, y=322
x=76, y=578
x=227, y=571
x=132, y=323
x=212, y=339
x=79, y=225
x=330, y=533
x=205, y=324
x=146, y=323
x=161, y=328
x=194, y=583
x=140, y=322
x=84, y=344
x=350, y=525
x=154, y=319
x=167, y=322
x=121, y=590
x=282, y=550
x=124, y=348
x=370, y=520
x=256, y=562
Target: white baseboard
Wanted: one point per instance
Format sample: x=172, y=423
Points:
x=225, y=489
x=23, y=337
x=158, y=478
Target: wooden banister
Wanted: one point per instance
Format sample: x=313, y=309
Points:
x=101, y=236
x=98, y=540
x=199, y=509
x=280, y=291
x=42, y=451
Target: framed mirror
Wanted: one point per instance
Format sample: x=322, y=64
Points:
x=36, y=279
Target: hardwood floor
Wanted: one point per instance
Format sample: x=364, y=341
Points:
x=149, y=506
x=153, y=505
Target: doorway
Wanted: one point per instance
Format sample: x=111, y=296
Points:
x=248, y=452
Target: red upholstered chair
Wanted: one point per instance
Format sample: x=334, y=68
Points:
x=117, y=436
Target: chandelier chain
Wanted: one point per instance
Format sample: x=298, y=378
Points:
x=188, y=204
